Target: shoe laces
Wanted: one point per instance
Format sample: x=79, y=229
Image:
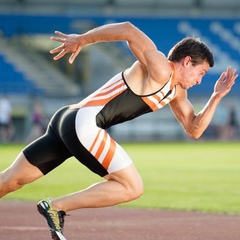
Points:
x=61, y=215
x=57, y=218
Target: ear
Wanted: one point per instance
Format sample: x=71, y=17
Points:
x=187, y=60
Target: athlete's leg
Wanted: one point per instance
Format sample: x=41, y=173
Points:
x=36, y=160
x=17, y=175
x=122, y=186
x=95, y=148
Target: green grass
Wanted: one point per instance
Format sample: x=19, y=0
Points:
x=186, y=176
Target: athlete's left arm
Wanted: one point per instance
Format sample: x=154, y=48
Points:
x=195, y=124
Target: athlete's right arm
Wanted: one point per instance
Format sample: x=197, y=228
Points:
x=138, y=42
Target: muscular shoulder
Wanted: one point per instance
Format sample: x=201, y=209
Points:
x=156, y=67
x=150, y=77
x=136, y=71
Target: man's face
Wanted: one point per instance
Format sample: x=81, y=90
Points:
x=192, y=75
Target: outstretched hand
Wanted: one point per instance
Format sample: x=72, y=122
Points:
x=70, y=44
x=225, y=82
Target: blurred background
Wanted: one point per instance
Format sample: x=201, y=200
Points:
x=33, y=86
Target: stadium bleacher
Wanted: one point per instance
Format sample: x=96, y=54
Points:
x=222, y=35
x=12, y=81
x=165, y=21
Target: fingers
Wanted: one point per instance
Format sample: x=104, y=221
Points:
x=63, y=49
x=233, y=74
x=57, y=39
x=72, y=58
x=62, y=37
x=60, y=34
x=60, y=48
x=223, y=76
x=60, y=55
x=74, y=55
x=57, y=49
x=229, y=75
x=63, y=52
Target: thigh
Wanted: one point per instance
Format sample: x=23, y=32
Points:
x=101, y=148
x=47, y=152
x=22, y=171
x=64, y=123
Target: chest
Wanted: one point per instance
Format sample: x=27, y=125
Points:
x=143, y=87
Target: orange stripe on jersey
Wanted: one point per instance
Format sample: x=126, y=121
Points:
x=153, y=100
x=156, y=105
x=157, y=97
x=112, y=89
x=104, y=95
x=96, y=102
x=105, y=98
x=149, y=102
x=168, y=99
x=163, y=97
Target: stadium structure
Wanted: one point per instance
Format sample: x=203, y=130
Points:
x=28, y=72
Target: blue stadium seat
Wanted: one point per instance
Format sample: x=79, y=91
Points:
x=221, y=34
x=14, y=82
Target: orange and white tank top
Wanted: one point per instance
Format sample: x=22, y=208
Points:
x=120, y=104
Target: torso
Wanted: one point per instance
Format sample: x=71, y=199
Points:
x=127, y=96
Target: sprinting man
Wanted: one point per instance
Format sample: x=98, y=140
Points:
x=79, y=130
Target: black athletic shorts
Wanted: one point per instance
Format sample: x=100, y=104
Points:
x=59, y=143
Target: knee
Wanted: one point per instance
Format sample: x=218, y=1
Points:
x=9, y=185
x=13, y=185
x=135, y=190
x=129, y=182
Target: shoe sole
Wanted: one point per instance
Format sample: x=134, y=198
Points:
x=56, y=235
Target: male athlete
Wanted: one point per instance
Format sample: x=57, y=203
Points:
x=79, y=130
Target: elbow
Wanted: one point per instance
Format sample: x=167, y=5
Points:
x=193, y=129
x=194, y=133
x=194, y=136
x=128, y=24
x=129, y=30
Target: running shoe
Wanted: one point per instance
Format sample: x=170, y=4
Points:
x=55, y=219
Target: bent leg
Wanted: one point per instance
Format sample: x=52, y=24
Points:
x=17, y=175
x=122, y=186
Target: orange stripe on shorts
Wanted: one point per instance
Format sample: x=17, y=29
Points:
x=109, y=156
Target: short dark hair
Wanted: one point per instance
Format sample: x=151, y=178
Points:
x=193, y=47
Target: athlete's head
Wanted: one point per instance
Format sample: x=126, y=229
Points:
x=193, y=47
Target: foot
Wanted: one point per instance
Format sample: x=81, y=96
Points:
x=55, y=219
